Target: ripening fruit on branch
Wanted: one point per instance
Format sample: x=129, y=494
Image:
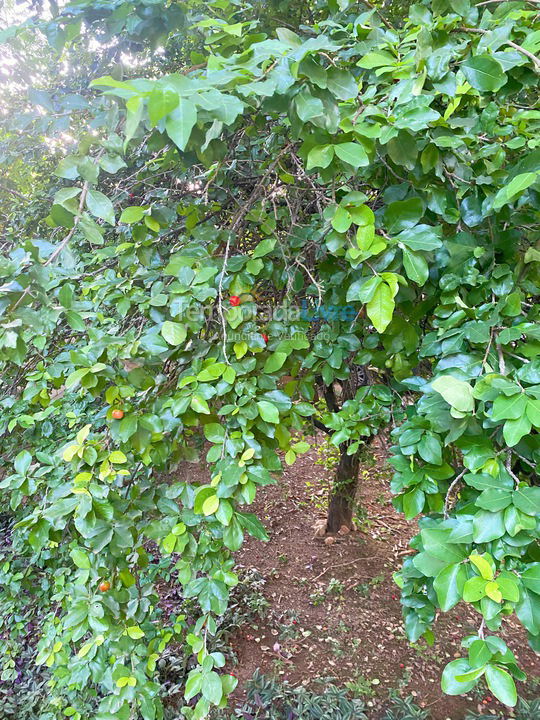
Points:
x=235, y=300
x=265, y=337
x=104, y=586
x=117, y=414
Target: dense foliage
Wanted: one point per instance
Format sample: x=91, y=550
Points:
x=228, y=188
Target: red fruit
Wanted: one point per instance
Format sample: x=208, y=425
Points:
x=234, y=300
x=265, y=337
x=117, y=414
x=104, y=586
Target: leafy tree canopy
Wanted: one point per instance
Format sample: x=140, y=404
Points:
x=180, y=180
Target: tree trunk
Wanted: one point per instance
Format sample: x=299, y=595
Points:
x=343, y=493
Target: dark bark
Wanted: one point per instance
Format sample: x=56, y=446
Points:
x=343, y=493
x=344, y=487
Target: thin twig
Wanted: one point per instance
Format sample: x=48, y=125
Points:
x=235, y=224
x=61, y=246
x=449, y=492
x=519, y=48
x=15, y=193
x=481, y=628
x=484, y=360
x=385, y=21
x=502, y=364
x=509, y=470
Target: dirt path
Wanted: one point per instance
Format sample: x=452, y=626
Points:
x=334, y=608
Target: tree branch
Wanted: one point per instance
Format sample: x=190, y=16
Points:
x=449, y=492
x=321, y=426
x=62, y=245
x=15, y=193
x=535, y=60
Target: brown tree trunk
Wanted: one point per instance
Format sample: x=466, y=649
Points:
x=343, y=493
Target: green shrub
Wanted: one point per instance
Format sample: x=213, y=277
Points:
x=268, y=699
x=404, y=709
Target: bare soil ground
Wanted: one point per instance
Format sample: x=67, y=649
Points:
x=334, y=608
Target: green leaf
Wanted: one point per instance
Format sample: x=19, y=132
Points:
x=127, y=427
x=494, y=499
x=515, y=187
x=472, y=675
x=511, y=408
x=180, y=123
x=515, y=430
x=320, y=156
x=160, y=103
x=100, y=206
x=381, y=307
x=416, y=266
x=528, y=610
x=501, y=685
x=173, y=332
x=403, y=214
x=210, y=505
x=449, y=586
x=488, y=526
x=22, y=462
x=342, y=219
x=352, y=153
x=363, y=290
x=527, y=499
x=253, y=525
x=307, y=106
x=199, y=405
x=214, y=432
x=274, y=362
x=268, y=412
x=457, y=393
x=117, y=457
x=413, y=503
x=531, y=577
x=212, y=689
x=421, y=237
x=264, y=247
x=341, y=83
x=233, y=535
x=508, y=587
x=474, y=589
x=80, y=558
x=193, y=684
x=482, y=565
x=132, y=214
x=450, y=685
x=484, y=73
x=134, y=632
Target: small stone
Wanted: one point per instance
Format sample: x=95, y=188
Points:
x=329, y=540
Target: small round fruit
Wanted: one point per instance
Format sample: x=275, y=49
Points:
x=117, y=414
x=104, y=586
x=234, y=300
x=265, y=337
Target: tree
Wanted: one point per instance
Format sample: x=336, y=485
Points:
x=347, y=162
